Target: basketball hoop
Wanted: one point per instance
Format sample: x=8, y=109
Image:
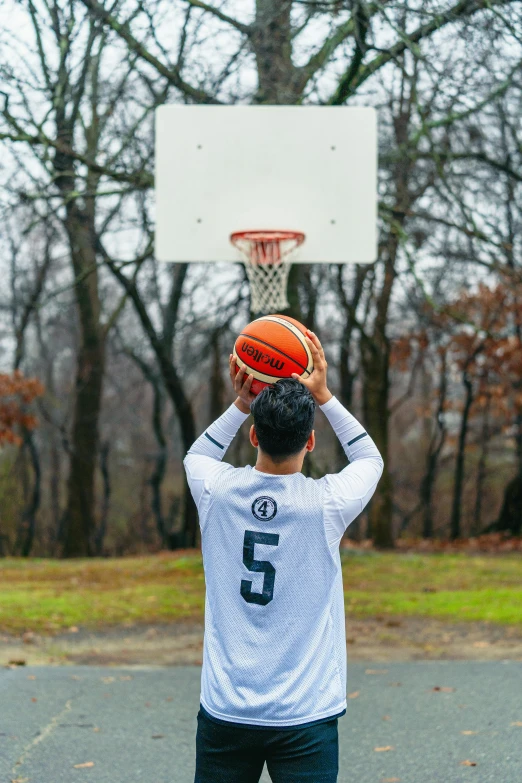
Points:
x=266, y=256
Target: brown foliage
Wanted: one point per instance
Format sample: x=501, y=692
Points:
x=478, y=334
x=16, y=392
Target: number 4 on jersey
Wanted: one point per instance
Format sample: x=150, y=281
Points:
x=258, y=566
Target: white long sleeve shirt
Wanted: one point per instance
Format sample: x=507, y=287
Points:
x=274, y=650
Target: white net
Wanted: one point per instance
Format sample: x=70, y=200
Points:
x=268, y=284
x=267, y=263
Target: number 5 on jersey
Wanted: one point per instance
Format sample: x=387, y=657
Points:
x=258, y=566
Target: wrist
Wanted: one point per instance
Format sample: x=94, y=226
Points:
x=323, y=396
x=242, y=406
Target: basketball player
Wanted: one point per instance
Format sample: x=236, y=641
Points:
x=274, y=661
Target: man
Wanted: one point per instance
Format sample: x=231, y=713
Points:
x=274, y=661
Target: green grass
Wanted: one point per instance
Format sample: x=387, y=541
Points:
x=47, y=596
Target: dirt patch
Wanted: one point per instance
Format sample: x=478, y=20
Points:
x=487, y=544
x=378, y=639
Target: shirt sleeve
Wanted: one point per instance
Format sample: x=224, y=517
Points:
x=203, y=461
x=348, y=492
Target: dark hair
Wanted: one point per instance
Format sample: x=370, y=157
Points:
x=283, y=418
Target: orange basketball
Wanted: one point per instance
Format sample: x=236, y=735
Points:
x=273, y=347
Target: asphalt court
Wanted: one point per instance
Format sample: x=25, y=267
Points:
x=421, y=722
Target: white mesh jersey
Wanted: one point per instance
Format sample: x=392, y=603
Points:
x=275, y=649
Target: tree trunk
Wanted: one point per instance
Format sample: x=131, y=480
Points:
x=162, y=347
x=375, y=363
x=510, y=517
x=347, y=373
x=271, y=41
x=456, y=512
x=79, y=516
x=434, y=450
x=216, y=381
x=27, y=525
x=160, y=465
x=481, y=469
x=375, y=353
x=104, y=516
x=54, y=488
x=376, y=419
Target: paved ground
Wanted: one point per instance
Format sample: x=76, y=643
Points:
x=137, y=725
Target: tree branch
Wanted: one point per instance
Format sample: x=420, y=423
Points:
x=172, y=75
x=320, y=58
x=457, y=116
x=243, y=28
x=141, y=180
x=464, y=8
x=480, y=157
x=361, y=22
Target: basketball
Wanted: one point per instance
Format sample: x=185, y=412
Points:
x=271, y=348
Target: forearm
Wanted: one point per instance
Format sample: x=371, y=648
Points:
x=217, y=438
x=356, y=442
x=348, y=492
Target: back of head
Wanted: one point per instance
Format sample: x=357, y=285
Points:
x=283, y=418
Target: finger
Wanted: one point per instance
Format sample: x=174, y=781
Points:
x=231, y=363
x=248, y=383
x=314, y=338
x=297, y=377
x=316, y=354
x=238, y=381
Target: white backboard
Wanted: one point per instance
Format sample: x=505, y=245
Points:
x=221, y=169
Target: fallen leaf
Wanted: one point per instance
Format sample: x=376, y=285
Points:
x=125, y=679
x=87, y=765
x=157, y=736
x=390, y=780
x=376, y=671
x=395, y=684
x=96, y=729
x=384, y=749
x=386, y=717
x=73, y=629
x=517, y=723
x=107, y=679
x=147, y=703
x=469, y=733
x=19, y=780
x=353, y=695
x=31, y=677
x=34, y=700
x=480, y=644
x=468, y=763
x=169, y=698
x=75, y=677
x=443, y=690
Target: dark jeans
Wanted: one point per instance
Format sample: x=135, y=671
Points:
x=229, y=754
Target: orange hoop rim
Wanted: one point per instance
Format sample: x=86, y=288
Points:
x=262, y=235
